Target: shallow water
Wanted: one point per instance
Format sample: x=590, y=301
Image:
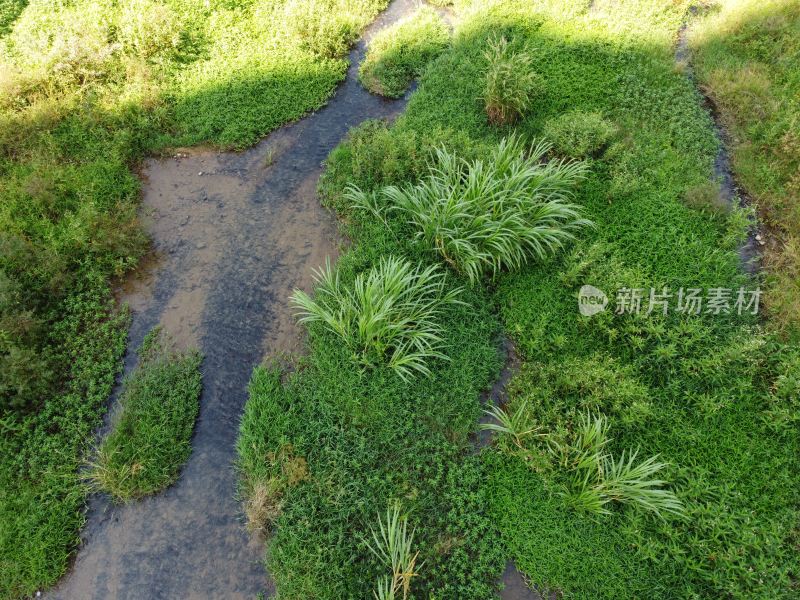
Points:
x=233, y=234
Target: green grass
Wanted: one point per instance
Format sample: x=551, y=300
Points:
x=397, y=54
x=41, y=494
x=715, y=397
x=150, y=439
x=9, y=11
x=87, y=89
x=745, y=55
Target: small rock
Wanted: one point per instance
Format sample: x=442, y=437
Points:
x=201, y=245
x=200, y=173
x=758, y=237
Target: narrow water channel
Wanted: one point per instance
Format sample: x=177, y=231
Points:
x=233, y=234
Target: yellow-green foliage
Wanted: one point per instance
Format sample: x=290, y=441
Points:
x=398, y=53
x=746, y=54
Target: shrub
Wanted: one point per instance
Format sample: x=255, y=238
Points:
x=148, y=28
x=486, y=216
x=389, y=315
x=324, y=27
x=397, y=54
x=150, y=439
x=579, y=134
x=511, y=83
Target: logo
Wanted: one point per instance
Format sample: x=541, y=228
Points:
x=591, y=300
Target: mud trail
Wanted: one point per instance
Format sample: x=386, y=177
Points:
x=233, y=234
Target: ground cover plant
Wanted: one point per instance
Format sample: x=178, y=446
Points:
x=389, y=316
x=712, y=395
x=150, y=438
x=397, y=54
x=745, y=56
x=88, y=88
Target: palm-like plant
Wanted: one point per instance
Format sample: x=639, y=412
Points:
x=516, y=425
x=482, y=217
x=599, y=479
x=389, y=315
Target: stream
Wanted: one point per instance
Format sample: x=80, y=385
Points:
x=233, y=235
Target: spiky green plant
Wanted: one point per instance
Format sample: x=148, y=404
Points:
x=486, y=216
x=599, y=479
x=389, y=315
x=515, y=425
x=511, y=83
x=393, y=545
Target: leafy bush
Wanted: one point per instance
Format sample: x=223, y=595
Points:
x=483, y=217
x=325, y=27
x=579, y=134
x=398, y=53
x=151, y=435
x=388, y=316
x=511, y=83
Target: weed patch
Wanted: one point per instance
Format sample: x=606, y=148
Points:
x=151, y=436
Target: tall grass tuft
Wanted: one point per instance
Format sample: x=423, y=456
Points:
x=389, y=315
x=511, y=83
x=598, y=478
x=486, y=216
x=393, y=545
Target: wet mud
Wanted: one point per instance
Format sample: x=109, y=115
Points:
x=233, y=235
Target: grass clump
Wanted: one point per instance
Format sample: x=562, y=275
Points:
x=390, y=315
x=397, y=54
x=579, y=134
x=393, y=545
x=483, y=217
x=511, y=83
x=151, y=435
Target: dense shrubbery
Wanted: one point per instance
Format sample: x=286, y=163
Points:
x=579, y=134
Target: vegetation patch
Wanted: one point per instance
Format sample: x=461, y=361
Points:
x=41, y=494
x=87, y=89
x=646, y=454
x=745, y=55
x=483, y=217
x=397, y=54
x=579, y=134
x=151, y=434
